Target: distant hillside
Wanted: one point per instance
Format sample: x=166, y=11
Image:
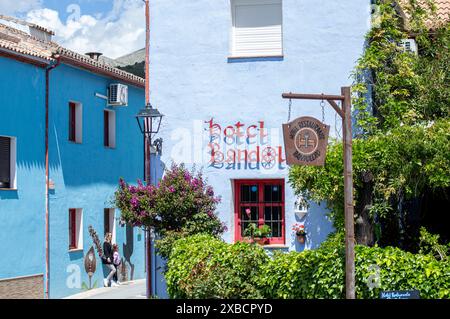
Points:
x=137, y=69
x=133, y=62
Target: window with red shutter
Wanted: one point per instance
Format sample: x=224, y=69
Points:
x=72, y=122
x=5, y=162
x=107, y=222
x=106, y=128
x=260, y=202
x=72, y=228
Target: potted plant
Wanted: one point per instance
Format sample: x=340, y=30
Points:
x=258, y=234
x=299, y=230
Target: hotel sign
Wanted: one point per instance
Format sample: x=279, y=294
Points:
x=305, y=141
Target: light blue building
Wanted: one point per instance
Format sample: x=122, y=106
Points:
x=93, y=139
x=218, y=70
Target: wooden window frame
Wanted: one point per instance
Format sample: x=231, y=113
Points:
x=73, y=243
x=260, y=204
x=7, y=166
x=72, y=122
x=109, y=128
x=106, y=128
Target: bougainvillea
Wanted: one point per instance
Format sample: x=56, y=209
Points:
x=181, y=204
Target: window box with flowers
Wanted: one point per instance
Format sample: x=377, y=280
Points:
x=258, y=235
x=299, y=230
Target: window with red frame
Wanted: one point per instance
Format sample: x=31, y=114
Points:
x=72, y=122
x=72, y=228
x=260, y=202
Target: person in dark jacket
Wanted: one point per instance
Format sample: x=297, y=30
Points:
x=108, y=260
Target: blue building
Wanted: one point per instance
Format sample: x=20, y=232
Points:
x=71, y=118
x=218, y=74
x=218, y=69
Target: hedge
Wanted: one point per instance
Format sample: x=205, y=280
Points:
x=320, y=274
x=201, y=266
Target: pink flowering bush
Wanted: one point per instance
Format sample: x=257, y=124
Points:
x=181, y=204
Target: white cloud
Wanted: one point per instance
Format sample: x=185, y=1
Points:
x=18, y=7
x=118, y=32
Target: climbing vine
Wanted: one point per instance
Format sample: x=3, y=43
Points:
x=402, y=113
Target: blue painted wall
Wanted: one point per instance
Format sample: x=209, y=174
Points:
x=86, y=175
x=22, y=211
x=193, y=81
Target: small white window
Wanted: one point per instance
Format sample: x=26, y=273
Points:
x=257, y=28
x=109, y=128
x=409, y=45
x=8, y=176
x=75, y=122
x=75, y=228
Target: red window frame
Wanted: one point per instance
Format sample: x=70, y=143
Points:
x=72, y=122
x=260, y=204
x=106, y=221
x=72, y=228
x=106, y=128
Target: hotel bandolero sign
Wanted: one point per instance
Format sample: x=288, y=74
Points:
x=305, y=141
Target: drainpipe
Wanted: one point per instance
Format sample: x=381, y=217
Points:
x=47, y=180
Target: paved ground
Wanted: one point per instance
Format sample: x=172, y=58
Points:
x=128, y=290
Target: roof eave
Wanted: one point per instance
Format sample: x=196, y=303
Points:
x=25, y=58
x=92, y=68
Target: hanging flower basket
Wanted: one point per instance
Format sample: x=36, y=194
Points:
x=300, y=232
x=301, y=238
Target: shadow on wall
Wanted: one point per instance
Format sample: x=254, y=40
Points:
x=128, y=248
x=317, y=226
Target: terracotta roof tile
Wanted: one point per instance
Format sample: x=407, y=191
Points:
x=442, y=12
x=20, y=42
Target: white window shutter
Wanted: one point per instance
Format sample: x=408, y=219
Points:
x=257, y=28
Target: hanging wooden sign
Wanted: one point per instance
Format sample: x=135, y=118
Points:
x=305, y=141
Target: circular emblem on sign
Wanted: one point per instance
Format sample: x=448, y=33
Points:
x=306, y=141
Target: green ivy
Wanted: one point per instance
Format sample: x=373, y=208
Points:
x=402, y=113
x=402, y=163
x=202, y=266
x=402, y=88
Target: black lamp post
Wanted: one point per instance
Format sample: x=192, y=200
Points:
x=149, y=121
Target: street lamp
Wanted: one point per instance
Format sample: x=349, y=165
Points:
x=149, y=121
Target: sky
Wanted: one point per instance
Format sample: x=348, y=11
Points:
x=86, y=25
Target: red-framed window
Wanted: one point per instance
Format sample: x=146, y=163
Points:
x=106, y=128
x=72, y=228
x=260, y=201
x=5, y=162
x=72, y=121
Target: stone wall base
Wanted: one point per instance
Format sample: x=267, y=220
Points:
x=29, y=287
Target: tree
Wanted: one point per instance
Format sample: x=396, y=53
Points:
x=402, y=112
x=181, y=204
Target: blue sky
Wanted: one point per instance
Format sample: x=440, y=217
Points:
x=91, y=7
x=86, y=25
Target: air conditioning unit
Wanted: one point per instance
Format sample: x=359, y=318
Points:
x=118, y=95
x=409, y=45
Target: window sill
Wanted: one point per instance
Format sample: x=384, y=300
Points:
x=259, y=58
x=8, y=189
x=75, y=250
x=110, y=147
x=76, y=143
